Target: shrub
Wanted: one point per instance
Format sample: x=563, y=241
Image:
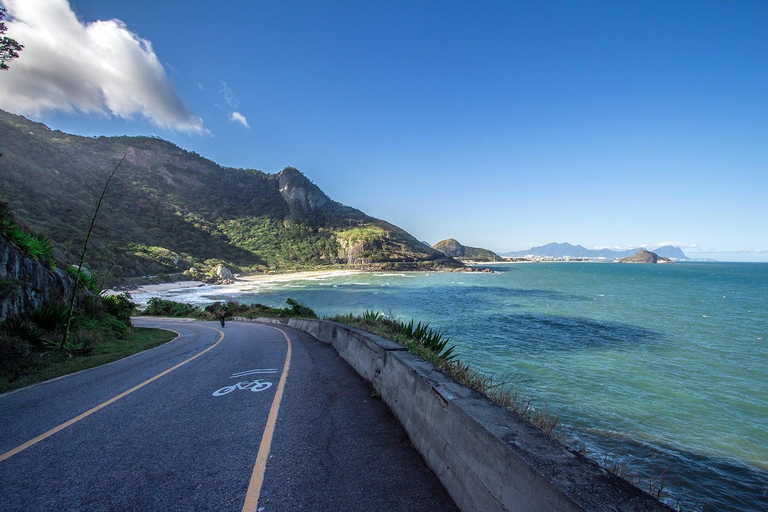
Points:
x=87, y=281
x=35, y=244
x=231, y=308
x=116, y=326
x=51, y=317
x=162, y=307
x=27, y=331
x=296, y=310
x=299, y=309
x=119, y=306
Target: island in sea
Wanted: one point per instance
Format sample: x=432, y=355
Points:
x=643, y=256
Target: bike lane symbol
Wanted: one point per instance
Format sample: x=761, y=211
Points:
x=254, y=385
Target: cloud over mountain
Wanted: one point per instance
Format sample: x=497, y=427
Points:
x=97, y=68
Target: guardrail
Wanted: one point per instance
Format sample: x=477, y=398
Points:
x=488, y=458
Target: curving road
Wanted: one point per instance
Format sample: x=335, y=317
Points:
x=249, y=417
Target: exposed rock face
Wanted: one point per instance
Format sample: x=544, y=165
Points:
x=223, y=272
x=643, y=256
x=302, y=195
x=27, y=283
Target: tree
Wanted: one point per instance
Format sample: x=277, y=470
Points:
x=9, y=48
x=64, y=342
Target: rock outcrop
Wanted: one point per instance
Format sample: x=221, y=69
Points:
x=451, y=247
x=26, y=283
x=643, y=256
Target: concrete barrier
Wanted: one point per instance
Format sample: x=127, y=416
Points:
x=488, y=458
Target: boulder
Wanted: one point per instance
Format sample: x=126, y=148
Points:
x=223, y=272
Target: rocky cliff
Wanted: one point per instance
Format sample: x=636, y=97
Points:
x=26, y=283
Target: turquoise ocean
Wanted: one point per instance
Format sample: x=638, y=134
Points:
x=662, y=368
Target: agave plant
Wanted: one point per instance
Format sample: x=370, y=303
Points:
x=371, y=316
x=429, y=338
x=29, y=332
x=51, y=317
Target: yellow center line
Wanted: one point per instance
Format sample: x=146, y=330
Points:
x=257, y=476
x=87, y=413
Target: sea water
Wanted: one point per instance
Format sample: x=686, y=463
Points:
x=662, y=369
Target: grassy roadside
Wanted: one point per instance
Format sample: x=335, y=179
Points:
x=50, y=365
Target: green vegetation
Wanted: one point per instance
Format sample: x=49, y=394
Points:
x=283, y=244
x=162, y=307
x=169, y=211
x=34, y=244
x=433, y=347
x=31, y=347
x=85, y=279
x=453, y=248
x=49, y=365
x=9, y=48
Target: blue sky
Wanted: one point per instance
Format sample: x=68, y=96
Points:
x=501, y=124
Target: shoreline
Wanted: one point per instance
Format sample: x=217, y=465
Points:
x=241, y=279
x=244, y=279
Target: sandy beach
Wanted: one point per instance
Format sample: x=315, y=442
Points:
x=241, y=280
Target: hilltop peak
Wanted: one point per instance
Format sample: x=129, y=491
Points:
x=300, y=193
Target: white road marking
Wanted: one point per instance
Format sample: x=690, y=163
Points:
x=251, y=372
x=256, y=385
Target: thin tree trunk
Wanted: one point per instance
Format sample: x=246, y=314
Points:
x=82, y=255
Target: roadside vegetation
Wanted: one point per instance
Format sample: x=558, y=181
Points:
x=433, y=346
x=36, y=245
x=169, y=308
x=31, y=351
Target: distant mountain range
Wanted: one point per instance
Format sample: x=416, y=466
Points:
x=556, y=250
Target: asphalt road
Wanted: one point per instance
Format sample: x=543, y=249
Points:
x=183, y=435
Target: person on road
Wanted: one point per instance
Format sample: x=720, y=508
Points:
x=221, y=317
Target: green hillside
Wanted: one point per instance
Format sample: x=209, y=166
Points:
x=171, y=210
x=454, y=249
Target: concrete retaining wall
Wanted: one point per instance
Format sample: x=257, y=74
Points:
x=488, y=458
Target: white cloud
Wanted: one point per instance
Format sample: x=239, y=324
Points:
x=228, y=95
x=239, y=118
x=97, y=68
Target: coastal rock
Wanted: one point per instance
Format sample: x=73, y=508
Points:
x=643, y=256
x=223, y=272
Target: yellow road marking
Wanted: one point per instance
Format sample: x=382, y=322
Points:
x=257, y=476
x=87, y=413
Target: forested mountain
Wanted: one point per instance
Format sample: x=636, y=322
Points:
x=169, y=210
x=451, y=247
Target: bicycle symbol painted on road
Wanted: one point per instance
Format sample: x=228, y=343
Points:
x=253, y=385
